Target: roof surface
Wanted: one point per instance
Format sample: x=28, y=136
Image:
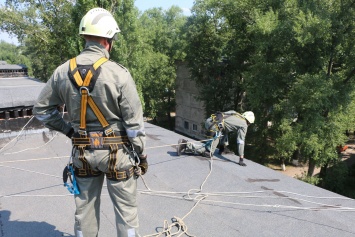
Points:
x=19, y=91
x=212, y=197
x=4, y=65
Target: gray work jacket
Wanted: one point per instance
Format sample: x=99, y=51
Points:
x=114, y=93
x=234, y=122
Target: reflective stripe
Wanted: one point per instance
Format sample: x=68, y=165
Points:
x=79, y=233
x=42, y=117
x=240, y=141
x=131, y=232
x=134, y=133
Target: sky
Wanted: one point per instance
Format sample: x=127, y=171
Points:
x=142, y=5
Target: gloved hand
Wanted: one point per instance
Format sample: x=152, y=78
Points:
x=241, y=162
x=143, y=164
x=70, y=133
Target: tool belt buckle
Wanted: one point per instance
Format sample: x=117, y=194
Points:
x=82, y=132
x=127, y=174
x=96, y=140
x=108, y=131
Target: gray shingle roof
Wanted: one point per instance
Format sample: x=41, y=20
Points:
x=4, y=65
x=19, y=91
x=237, y=201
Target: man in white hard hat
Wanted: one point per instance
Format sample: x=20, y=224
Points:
x=218, y=126
x=106, y=127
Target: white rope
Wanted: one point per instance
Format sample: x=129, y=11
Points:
x=32, y=148
x=31, y=171
x=37, y=159
x=18, y=134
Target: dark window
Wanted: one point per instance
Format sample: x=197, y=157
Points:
x=194, y=127
x=186, y=125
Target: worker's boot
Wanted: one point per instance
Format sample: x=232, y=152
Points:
x=181, y=146
x=241, y=162
x=207, y=154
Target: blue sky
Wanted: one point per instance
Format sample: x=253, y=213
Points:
x=142, y=5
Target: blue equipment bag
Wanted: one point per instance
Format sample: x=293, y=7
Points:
x=68, y=172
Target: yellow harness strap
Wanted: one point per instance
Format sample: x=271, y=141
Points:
x=85, y=96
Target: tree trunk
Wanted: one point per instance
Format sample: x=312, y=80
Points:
x=323, y=171
x=311, y=167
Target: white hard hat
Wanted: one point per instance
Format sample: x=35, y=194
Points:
x=249, y=115
x=98, y=22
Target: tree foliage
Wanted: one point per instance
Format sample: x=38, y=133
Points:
x=14, y=55
x=163, y=46
x=294, y=60
x=45, y=30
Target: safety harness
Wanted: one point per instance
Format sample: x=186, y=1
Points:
x=216, y=122
x=214, y=125
x=107, y=139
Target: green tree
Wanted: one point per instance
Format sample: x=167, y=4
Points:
x=301, y=72
x=13, y=54
x=45, y=30
x=291, y=62
x=163, y=46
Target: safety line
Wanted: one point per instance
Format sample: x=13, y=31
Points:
x=37, y=159
x=31, y=171
x=18, y=134
x=33, y=148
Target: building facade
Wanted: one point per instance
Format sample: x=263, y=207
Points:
x=190, y=112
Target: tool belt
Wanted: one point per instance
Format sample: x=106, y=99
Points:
x=97, y=140
x=116, y=175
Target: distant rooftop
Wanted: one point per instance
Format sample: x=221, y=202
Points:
x=19, y=91
x=4, y=65
x=12, y=70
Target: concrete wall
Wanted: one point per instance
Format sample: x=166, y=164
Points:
x=190, y=113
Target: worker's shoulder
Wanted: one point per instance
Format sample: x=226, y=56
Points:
x=116, y=65
x=63, y=68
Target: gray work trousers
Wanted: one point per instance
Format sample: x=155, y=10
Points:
x=123, y=195
x=200, y=149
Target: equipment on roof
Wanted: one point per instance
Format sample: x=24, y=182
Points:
x=68, y=172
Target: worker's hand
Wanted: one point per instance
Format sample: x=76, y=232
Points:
x=143, y=164
x=70, y=133
x=241, y=162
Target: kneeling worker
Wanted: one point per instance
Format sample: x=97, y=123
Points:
x=218, y=127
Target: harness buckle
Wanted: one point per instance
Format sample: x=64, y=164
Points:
x=82, y=132
x=108, y=131
x=84, y=88
x=127, y=174
x=220, y=126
